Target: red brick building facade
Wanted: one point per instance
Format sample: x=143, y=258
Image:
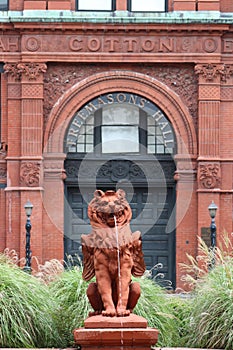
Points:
x=67, y=71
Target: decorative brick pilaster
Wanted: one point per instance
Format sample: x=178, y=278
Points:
x=209, y=108
x=24, y=158
x=211, y=168
x=32, y=108
x=53, y=201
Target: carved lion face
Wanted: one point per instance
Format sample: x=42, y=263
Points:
x=107, y=205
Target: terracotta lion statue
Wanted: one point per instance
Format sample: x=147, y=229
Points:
x=112, y=253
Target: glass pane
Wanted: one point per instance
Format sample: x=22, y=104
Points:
x=151, y=130
x=81, y=139
x=72, y=149
x=120, y=139
x=89, y=148
x=121, y=115
x=151, y=140
x=151, y=148
x=100, y=5
x=3, y=5
x=160, y=149
x=148, y=5
x=89, y=139
x=80, y=147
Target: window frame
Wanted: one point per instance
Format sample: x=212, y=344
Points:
x=113, y=7
x=129, y=7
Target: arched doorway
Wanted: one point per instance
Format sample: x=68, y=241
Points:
x=123, y=140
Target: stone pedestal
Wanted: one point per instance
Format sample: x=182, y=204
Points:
x=117, y=333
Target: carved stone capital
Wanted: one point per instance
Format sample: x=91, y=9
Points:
x=30, y=70
x=209, y=175
x=209, y=71
x=12, y=70
x=30, y=174
x=228, y=71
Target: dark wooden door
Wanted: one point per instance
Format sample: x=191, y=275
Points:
x=151, y=211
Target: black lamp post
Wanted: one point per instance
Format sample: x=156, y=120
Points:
x=28, y=210
x=212, y=211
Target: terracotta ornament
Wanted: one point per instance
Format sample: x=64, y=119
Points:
x=112, y=253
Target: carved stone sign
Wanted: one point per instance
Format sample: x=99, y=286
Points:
x=125, y=44
x=9, y=43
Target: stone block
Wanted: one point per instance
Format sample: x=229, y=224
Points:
x=117, y=333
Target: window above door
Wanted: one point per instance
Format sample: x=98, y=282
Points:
x=120, y=123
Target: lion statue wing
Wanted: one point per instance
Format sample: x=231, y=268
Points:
x=139, y=266
x=88, y=261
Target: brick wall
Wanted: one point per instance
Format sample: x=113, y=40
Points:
x=121, y=5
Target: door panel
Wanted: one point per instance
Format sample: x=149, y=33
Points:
x=150, y=211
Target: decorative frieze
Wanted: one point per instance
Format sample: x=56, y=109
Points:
x=209, y=175
x=61, y=77
x=30, y=174
x=112, y=171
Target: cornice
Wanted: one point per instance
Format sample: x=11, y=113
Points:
x=116, y=17
x=128, y=28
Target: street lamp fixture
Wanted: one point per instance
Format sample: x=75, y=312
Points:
x=212, y=211
x=28, y=210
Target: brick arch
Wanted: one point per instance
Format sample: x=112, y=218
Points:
x=158, y=93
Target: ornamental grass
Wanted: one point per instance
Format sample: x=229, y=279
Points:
x=210, y=324
x=26, y=309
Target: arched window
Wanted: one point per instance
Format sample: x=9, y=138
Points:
x=122, y=124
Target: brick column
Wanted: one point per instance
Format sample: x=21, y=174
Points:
x=24, y=161
x=186, y=214
x=31, y=150
x=209, y=166
x=13, y=132
x=226, y=148
x=53, y=200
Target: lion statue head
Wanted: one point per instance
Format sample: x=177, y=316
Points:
x=108, y=208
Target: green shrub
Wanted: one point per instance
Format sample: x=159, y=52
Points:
x=26, y=310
